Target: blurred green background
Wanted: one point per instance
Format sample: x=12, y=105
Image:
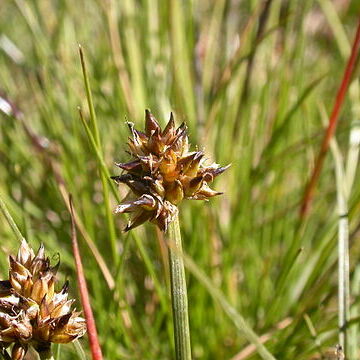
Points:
x=255, y=81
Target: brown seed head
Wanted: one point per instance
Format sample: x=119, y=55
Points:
x=32, y=312
x=162, y=173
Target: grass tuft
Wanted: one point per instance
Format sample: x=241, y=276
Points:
x=251, y=79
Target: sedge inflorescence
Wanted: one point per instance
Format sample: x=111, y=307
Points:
x=32, y=312
x=162, y=172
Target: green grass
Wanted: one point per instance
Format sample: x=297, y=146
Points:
x=243, y=255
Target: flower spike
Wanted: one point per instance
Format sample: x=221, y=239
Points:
x=162, y=172
x=32, y=312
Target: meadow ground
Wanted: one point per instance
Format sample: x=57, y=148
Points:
x=255, y=82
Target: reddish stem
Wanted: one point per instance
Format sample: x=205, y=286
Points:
x=340, y=96
x=84, y=294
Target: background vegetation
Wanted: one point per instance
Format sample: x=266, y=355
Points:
x=255, y=81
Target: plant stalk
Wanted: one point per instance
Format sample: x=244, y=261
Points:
x=178, y=293
x=343, y=249
x=46, y=354
x=343, y=282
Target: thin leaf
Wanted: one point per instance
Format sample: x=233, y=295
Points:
x=10, y=220
x=330, y=131
x=79, y=349
x=234, y=316
x=84, y=294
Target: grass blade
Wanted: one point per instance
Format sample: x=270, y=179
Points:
x=79, y=350
x=103, y=175
x=229, y=310
x=343, y=248
x=10, y=220
x=84, y=294
x=310, y=188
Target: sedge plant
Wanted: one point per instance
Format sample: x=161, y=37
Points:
x=162, y=172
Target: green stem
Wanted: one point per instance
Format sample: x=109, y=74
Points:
x=178, y=293
x=46, y=355
x=343, y=249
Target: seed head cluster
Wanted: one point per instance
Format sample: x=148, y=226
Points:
x=162, y=172
x=32, y=312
